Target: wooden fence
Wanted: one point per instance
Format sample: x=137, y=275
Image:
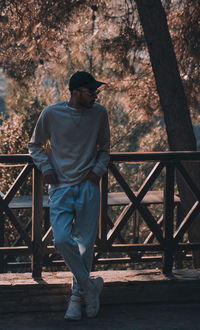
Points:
x=165, y=234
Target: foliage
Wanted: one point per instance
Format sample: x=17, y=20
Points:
x=185, y=31
x=44, y=42
x=32, y=30
x=105, y=38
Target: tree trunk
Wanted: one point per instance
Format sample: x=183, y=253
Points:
x=172, y=98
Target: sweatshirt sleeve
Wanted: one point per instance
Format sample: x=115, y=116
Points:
x=103, y=143
x=37, y=144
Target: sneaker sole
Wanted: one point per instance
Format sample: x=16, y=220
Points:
x=72, y=318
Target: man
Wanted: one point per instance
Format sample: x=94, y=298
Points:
x=79, y=137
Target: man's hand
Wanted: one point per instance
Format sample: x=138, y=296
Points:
x=93, y=177
x=50, y=177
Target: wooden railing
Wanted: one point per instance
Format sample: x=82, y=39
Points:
x=164, y=234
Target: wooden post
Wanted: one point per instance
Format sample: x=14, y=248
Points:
x=37, y=195
x=103, y=211
x=1, y=241
x=135, y=227
x=168, y=219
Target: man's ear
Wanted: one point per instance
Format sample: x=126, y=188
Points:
x=75, y=93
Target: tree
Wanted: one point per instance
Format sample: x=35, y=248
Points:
x=172, y=96
x=169, y=85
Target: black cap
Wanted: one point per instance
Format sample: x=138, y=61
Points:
x=83, y=79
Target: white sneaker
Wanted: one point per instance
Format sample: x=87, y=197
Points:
x=74, y=309
x=92, y=297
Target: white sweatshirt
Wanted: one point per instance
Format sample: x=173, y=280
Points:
x=79, y=142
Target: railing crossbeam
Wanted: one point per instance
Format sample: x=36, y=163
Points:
x=17, y=183
x=16, y=223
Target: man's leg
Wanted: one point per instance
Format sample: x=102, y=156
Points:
x=84, y=231
x=62, y=211
x=85, y=226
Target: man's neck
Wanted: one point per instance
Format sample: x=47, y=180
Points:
x=73, y=104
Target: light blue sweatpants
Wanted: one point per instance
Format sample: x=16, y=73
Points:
x=74, y=215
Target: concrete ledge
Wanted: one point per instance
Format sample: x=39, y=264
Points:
x=20, y=293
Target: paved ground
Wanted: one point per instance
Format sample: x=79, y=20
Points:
x=114, y=317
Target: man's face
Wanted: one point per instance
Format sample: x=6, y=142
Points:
x=86, y=97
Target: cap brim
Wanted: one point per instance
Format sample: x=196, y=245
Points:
x=94, y=85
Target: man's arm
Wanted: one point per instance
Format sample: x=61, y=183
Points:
x=103, y=142
x=50, y=177
x=94, y=178
x=36, y=149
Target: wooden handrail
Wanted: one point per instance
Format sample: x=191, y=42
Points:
x=15, y=159
x=153, y=156
x=118, y=156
